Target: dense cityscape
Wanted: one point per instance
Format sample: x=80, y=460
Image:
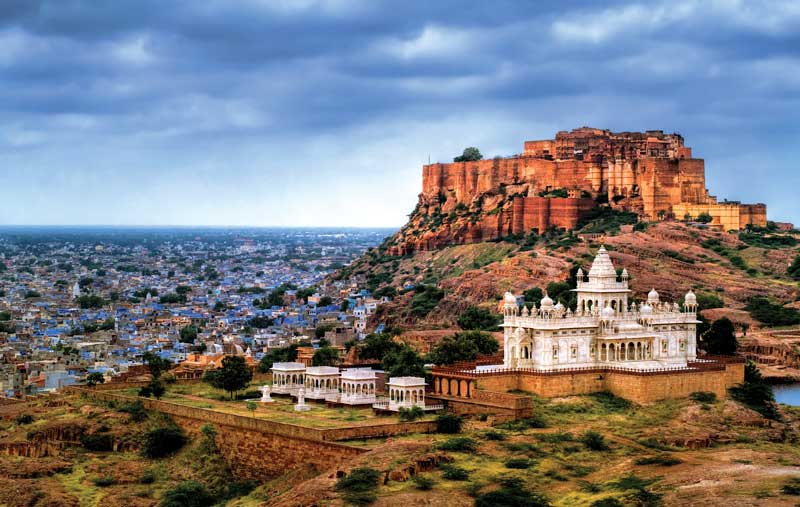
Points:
x=77, y=301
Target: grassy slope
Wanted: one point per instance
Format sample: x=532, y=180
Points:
x=747, y=467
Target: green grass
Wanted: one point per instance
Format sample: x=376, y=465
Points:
x=76, y=483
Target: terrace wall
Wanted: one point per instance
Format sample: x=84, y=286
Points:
x=639, y=387
x=261, y=449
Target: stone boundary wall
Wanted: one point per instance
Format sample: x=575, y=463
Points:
x=637, y=388
x=250, y=423
x=253, y=448
x=504, y=406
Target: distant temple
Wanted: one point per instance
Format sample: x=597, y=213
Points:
x=557, y=182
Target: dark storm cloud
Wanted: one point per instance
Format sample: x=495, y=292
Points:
x=172, y=79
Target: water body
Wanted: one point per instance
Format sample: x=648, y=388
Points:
x=788, y=394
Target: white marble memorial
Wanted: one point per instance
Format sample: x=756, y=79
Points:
x=321, y=382
x=288, y=378
x=358, y=386
x=301, y=401
x=606, y=330
x=265, y=394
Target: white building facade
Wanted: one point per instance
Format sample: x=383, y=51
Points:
x=605, y=330
x=358, y=386
x=321, y=382
x=288, y=378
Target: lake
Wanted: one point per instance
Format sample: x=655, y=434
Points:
x=788, y=394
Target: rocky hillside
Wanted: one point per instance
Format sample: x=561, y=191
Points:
x=726, y=270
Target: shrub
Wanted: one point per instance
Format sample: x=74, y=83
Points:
x=454, y=473
x=663, y=460
x=423, y=483
x=148, y=477
x=703, y=397
x=594, y=441
x=103, y=482
x=459, y=444
x=449, y=423
x=522, y=424
x=358, y=487
x=772, y=314
x=792, y=487
x=24, y=419
x=494, y=435
x=630, y=481
x=99, y=442
x=610, y=402
x=518, y=463
x=644, y=498
x=187, y=494
x=160, y=442
x=425, y=299
x=135, y=411
x=411, y=414
x=554, y=438
x=757, y=396
x=607, y=502
x=511, y=494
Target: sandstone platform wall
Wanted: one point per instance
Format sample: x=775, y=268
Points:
x=637, y=387
x=261, y=449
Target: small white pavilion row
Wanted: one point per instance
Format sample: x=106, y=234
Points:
x=351, y=386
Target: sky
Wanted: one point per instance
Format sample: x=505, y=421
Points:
x=321, y=113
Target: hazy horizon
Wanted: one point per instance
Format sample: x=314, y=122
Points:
x=321, y=112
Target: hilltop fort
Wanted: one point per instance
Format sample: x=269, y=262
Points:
x=556, y=183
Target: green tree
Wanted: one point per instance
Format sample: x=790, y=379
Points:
x=188, y=334
x=252, y=406
x=320, y=331
x=94, y=378
x=90, y=302
x=156, y=364
x=482, y=319
x=280, y=355
x=720, y=338
x=470, y=154
x=260, y=322
x=533, y=296
x=171, y=299
x=232, y=376
x=325, y=356
x=377, y=346
x=404, y=362
x=325, y=301
x=704, y=218
x=463, y=346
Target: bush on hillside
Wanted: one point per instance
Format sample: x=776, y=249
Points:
x=449, y=423
x=163, y=441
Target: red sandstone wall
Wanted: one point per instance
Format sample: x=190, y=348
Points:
x=542, y=212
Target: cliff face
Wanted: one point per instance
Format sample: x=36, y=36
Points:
x=555, y=183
